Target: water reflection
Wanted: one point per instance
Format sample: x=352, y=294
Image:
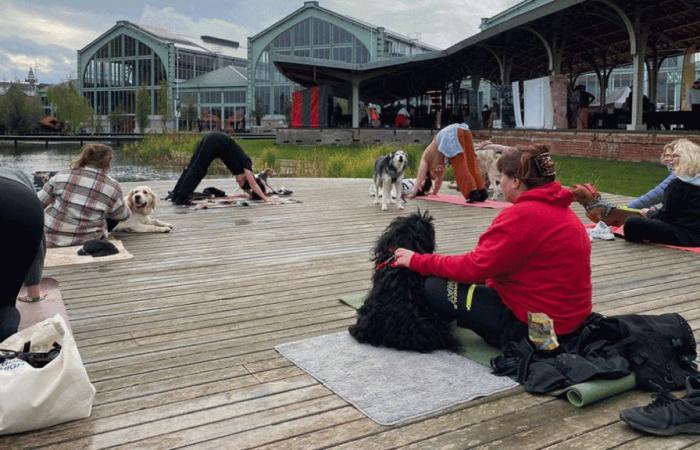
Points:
x=31, y=158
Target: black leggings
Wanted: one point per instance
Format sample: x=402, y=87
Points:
x=208, y=149
x=480, y=310
x=21, y=229
x=638, y=229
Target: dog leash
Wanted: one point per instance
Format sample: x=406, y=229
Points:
x=382, y=265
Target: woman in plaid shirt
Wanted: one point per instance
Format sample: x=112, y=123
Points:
x=77, y=201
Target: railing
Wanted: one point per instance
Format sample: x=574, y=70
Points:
x=113, y=138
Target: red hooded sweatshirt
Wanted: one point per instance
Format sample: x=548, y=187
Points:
x=536, y=255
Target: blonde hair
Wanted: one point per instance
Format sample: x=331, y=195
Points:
x=96, y=155
x=667, y=148
x=688, y=157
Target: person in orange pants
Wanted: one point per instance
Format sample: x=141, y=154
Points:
x=452, y=145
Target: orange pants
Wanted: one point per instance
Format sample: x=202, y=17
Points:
x=465, y=166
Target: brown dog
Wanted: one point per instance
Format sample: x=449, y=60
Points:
x=597, y=209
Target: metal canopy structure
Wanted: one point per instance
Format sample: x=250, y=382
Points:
x=558, y=37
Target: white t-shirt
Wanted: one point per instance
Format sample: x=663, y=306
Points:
x=403, y=112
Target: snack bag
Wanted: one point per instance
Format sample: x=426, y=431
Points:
x=541, y=331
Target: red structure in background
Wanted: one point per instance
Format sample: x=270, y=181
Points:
x=311, y=107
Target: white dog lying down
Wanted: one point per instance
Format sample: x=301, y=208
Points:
x=142, y=201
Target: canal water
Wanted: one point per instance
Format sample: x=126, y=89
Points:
x=31, y=158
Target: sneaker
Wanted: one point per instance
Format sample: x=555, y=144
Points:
x=601, y=231
x=668, y=415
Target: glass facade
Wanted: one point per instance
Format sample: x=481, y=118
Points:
x=213, y=109
x=312, y=37
x=117, y=70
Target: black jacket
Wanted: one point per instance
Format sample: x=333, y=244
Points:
x=681, y=206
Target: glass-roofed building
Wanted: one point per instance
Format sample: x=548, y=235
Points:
x=221, y=85
x=316, y=32
x=128, y=56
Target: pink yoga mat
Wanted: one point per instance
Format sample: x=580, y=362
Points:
x=32, y=313
x=459, y=200
x=619, y=231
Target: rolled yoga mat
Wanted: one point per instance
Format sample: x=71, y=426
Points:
x=474, y=348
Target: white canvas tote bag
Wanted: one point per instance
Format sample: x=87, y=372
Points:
x=32, y=398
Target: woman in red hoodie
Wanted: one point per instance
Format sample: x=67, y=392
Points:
x=535, y=257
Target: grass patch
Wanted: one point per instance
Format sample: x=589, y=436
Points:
x=357, y=161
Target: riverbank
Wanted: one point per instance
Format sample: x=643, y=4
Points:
x=357, y=161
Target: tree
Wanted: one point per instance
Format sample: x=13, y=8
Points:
x=143, y=108
x=19, y=112
x=72, y=108
x=164, y=103
x=190, y=114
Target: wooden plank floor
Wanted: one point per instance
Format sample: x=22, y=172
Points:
x=179, y=341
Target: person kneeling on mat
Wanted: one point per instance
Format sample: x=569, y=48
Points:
x=212, y=146
x=535, y=257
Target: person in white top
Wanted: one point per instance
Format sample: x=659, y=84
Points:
x=694, y=96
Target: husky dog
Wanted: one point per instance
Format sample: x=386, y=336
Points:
x=388, y=173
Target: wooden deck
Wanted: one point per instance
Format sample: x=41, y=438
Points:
x=179, y=341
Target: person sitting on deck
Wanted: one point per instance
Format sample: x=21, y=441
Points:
x=678, y=220
x=212, y=146
x=78, y=202
x=656, y=195
x=21, y=233
x=535, y=256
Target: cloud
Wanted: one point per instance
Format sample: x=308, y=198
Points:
x=441, y=24
x=52, y=63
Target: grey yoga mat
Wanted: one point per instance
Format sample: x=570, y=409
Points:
x=474, y=348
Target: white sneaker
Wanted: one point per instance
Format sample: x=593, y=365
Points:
x=601, y=231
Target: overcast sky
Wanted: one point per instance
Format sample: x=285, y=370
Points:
x=48, y=33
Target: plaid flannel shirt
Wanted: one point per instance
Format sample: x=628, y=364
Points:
x=76, y=203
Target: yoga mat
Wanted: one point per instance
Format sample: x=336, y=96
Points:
x=68, y=256
x=32, y=313
x=239, y=201
x=620, y=231
x=459, y=200
x=474, y=348
x=588, y=392
x=391, y=386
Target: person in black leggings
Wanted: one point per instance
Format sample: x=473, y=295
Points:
x=21, y=231
x=212, y=146
x=678, y=220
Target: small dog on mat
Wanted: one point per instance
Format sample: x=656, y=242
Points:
x=395, y=314
x=388, y=173
x=141, y=200
x=597, y=209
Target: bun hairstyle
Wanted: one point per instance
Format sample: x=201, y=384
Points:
x=95, y=155
x=533, y=165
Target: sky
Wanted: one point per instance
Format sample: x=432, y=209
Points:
x=47, y=34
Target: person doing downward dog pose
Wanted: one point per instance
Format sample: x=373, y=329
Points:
x=535, y=257
x=78, y=202
x=678, y=220
x=452, y=145
x=656, y=195
x=212, y=146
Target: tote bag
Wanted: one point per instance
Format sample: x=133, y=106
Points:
x=32, y=398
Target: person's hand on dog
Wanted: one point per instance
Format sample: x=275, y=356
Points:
x=403, y=257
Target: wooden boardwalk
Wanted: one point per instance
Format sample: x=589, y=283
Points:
x=179, y=341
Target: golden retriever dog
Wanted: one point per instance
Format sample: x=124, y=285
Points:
x=487, y=163
x=141, y=200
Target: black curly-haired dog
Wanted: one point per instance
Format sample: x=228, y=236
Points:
x=395, y=314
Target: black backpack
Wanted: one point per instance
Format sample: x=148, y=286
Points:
x=660, y=348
